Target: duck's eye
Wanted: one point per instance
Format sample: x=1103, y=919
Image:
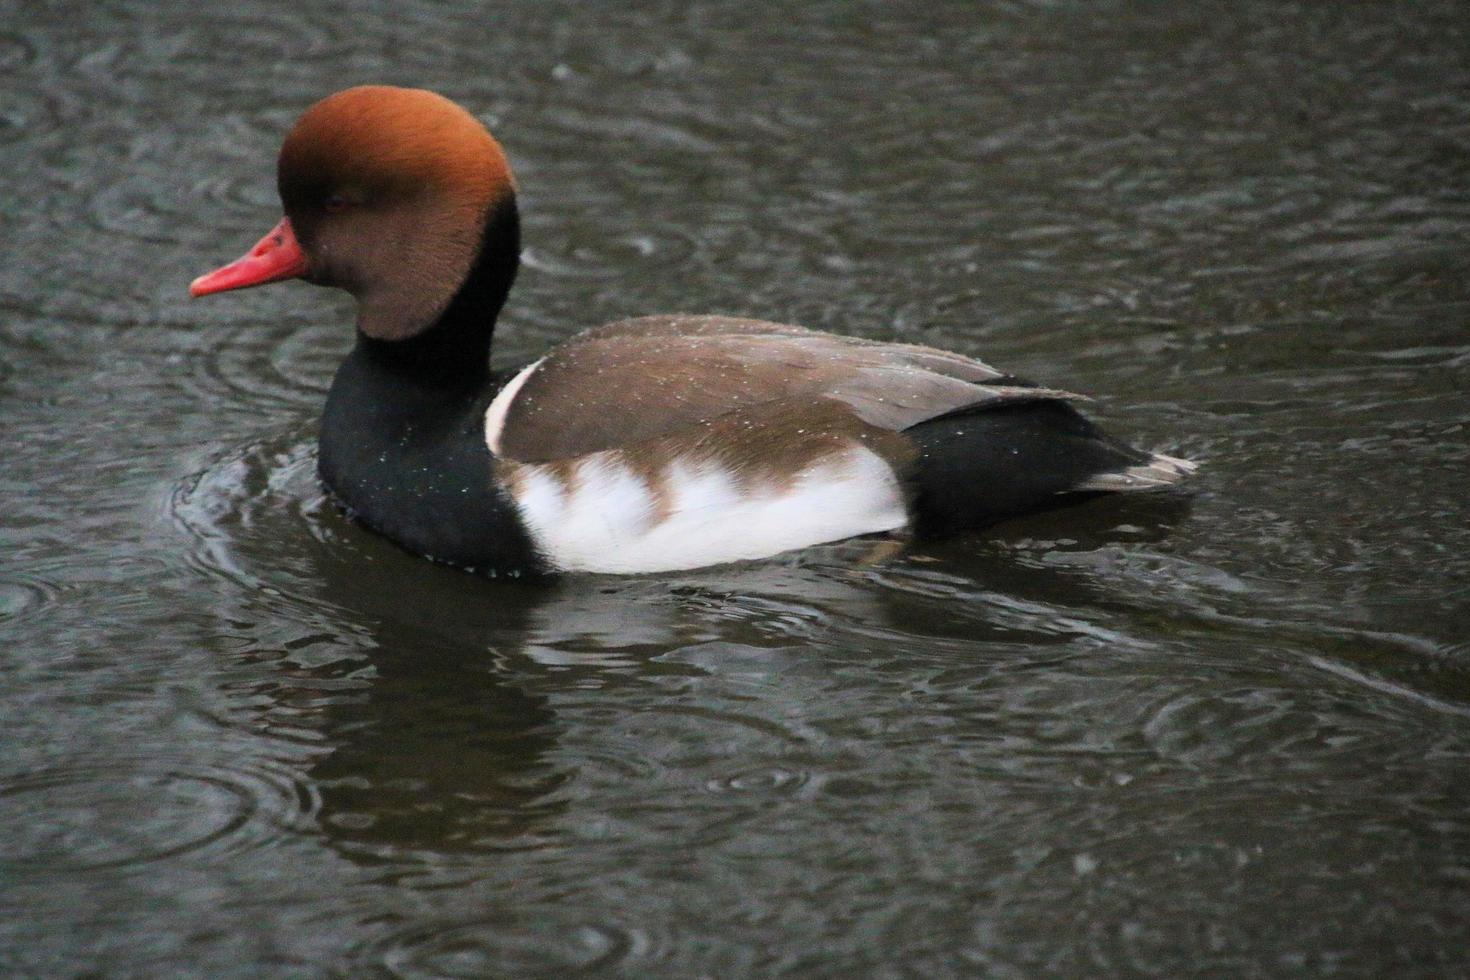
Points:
x=334, y=203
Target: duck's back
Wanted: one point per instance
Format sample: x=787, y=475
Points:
x=625, y=382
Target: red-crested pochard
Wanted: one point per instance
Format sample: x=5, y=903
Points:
x=665, y=442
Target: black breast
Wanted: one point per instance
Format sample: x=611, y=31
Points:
x=409, y=461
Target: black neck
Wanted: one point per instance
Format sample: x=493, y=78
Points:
x=455, y=351
x=403, y=434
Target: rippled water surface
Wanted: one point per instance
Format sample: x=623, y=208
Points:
x=1220, y=732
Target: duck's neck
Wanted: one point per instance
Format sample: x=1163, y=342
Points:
x=403, y=442
x=454, y=353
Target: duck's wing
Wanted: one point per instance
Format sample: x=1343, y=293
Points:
x=627, y=382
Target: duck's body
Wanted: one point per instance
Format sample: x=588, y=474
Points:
x=645, y=445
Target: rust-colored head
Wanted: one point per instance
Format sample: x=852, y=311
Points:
x=387, y=192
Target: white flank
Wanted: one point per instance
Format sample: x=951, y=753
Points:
x=495, y=414
x=607, y=521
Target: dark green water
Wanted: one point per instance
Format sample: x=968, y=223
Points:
x=1222, y=733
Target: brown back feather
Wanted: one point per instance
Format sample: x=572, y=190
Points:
x=624, y=383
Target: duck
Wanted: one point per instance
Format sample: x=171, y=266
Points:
x=655, y=444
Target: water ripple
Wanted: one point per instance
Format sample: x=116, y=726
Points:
x=122, y=817
x=261, y=364
x=23, y=596
x=765, y=781
x=553, y=944
x=28, y=116
x=248, y=501
x=15, y=52
x=1245, y=727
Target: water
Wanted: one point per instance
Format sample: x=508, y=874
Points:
x=1224, y=732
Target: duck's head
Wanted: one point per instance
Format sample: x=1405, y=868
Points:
x=389, y=193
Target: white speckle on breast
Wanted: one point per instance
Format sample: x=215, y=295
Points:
x=604, y=517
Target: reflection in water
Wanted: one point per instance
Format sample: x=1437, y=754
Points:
x=438, y=750
x=472, y=774
x=444, y=750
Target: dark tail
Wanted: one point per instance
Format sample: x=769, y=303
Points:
x=979, y=467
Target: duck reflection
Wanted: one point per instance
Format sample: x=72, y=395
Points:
x=436, y=755
x=452, y=743
x=1032, y=580
x=441, y=750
